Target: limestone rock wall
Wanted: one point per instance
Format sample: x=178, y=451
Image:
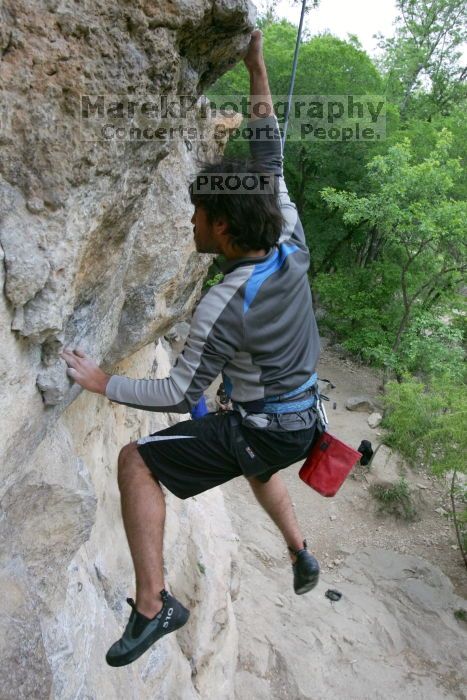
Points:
x=66, y=569
x=96, y=250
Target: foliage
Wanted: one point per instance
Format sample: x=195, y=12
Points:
x=364, y=313
x=394, y=499
x=424, y=74
x=214, y=280
x=358, y=310
x=431, y=345
x=426, y=423
x=423, y=135
x=214, y=275
x=408, y=246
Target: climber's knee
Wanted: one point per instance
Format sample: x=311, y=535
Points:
x=130, y=463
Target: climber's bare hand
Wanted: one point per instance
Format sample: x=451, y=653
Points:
x=85, y=371
x=254, y=56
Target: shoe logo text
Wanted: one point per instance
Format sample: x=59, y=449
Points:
x=170, y=612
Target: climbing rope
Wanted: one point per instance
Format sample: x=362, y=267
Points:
x=292, y=77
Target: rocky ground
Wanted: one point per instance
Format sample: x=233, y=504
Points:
x=393, y=634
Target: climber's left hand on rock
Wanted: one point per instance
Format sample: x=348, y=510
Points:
x=85, y=371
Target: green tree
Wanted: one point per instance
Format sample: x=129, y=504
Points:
x=408, y=243
x=422, y=60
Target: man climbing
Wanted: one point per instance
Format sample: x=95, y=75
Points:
x=256, y=327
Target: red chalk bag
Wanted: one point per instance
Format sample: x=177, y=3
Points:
x=328, y=464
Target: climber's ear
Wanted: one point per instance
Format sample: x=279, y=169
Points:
x=221, y=226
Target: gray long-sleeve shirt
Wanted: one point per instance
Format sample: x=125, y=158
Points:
x=257, y=326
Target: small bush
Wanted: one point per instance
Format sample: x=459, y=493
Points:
x=394, y=499
x=214, y=280
x=427, y=422
x=214, y=275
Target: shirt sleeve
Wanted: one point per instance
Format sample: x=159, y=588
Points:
x=266, y=151
x=213, y=340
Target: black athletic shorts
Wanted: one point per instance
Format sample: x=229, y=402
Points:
x=195, y=455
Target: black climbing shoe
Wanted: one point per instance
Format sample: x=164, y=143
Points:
x=141, y=631
x=305, y=570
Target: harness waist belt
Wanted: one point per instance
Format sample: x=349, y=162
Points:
x=281, y=404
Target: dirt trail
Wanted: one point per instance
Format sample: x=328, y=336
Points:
x=395, y=622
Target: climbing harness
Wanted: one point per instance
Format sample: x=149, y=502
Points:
x=274, y=404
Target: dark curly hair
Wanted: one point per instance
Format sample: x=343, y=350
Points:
x=254, y=217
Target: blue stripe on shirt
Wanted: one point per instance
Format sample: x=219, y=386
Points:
x=264, y=270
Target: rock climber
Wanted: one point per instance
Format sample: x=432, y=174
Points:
x=257, y=327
